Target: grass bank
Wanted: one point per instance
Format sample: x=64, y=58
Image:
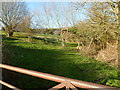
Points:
x=49, y=57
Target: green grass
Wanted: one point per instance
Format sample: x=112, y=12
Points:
x=49, y=57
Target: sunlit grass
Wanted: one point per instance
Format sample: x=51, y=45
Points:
x=50, y=58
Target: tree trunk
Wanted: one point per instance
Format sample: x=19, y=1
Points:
x=10, y=34
x=9, y=31
x=78, y=45
x=63, y=45
x=29, y=38
x=62, y=39
x=90, y=43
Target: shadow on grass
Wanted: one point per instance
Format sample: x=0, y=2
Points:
x=51, y=61
x=21, y=36
x=8, y=38
x=47, y=40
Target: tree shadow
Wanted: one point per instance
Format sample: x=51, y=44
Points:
x=47, y=40
x=21, y=36
x=8, y=38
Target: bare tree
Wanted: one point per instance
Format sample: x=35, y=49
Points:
x=25, y=26
x=52, y=16
x=58, y=16
x=12, y=14
x=48, y=15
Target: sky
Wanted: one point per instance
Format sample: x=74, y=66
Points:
x=36, y=8
x=40, y=18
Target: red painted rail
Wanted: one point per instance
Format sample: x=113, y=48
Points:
x=64, y=82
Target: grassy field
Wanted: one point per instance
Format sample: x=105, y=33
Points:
x=49, y=57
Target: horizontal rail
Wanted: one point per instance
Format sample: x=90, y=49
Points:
x=60, y=79
x=8, y=85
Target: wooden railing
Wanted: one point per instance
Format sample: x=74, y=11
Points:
x=64, y=82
